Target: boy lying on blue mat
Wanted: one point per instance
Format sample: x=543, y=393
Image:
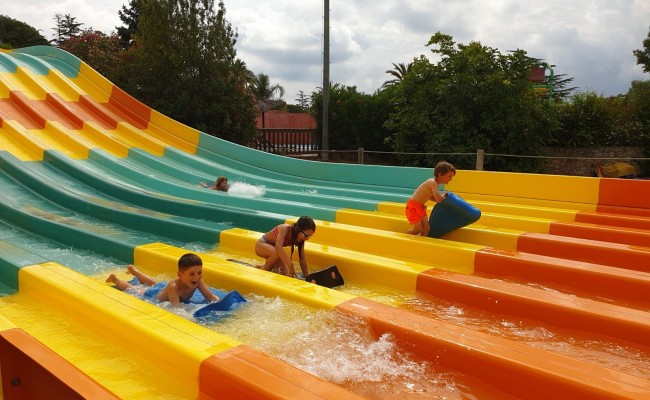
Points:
x=181, y=289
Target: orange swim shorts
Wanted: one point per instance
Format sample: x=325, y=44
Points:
x=415, y=211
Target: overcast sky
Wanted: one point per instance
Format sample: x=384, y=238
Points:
x=590, y=40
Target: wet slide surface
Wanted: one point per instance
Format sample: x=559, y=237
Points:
x=545, y=296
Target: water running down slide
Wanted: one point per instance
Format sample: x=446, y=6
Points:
x=87, y=166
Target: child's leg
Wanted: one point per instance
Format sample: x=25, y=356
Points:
x=416, y=229
x=144, y=279
x=272, y=262
x=425, y=226
x=266, y=251
x=120, y=284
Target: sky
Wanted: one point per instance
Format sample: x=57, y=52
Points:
x=589, y=40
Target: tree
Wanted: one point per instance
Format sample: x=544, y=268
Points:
x=560, y=89
x=240, y=69
x=263, y=90
x=475, y=97
x=16, y=34
x=66, y=27
x=584, y=121
x=643, y=56
x=356, y=119
x=101, y=52
x=129, y=16
x=183, y=66
x=398, y=72
x=304, y=102
x=638, y=98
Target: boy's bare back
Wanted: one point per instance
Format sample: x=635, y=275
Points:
x=426, y=191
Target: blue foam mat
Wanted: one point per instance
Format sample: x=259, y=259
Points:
x=215, y=310
x=450, y=214
x=210, y=312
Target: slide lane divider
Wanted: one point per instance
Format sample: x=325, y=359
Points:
x=186, y=200
x=193, y=354
x=192, y=174
x=623, y=221
x=611, y=234
x=527, y=188
x=31, y=370
x=131, y=110
x=50, y=221
x=114, y=105
x=531, y=373
x=475, y=234
x=12, y=258
x=239, y=365
x=109, y=210
x=577, y=264
x=119, y=109
x=142, y=192
x=18, y=143
x=603, y=227
x=24, y=105
x=176, y=134
x=624, y=286
x=635, y=255
x=586, y=250
x=558, y=309
x=42, y=58
x=628, y=194
x=457, y=256
x=480, y=355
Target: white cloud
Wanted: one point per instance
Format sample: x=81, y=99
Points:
x=589, y=40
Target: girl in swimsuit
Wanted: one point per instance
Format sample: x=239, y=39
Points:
x=271, y=246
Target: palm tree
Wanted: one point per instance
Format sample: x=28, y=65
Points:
x=263, y=90
x=242, y=72
x=398, y=71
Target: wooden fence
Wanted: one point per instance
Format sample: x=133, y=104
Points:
x=287, y=141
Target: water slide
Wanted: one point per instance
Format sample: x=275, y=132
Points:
x=545, y=296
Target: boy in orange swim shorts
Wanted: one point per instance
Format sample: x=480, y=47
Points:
x=416, y=209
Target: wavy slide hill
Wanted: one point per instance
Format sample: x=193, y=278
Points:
x=546, y=296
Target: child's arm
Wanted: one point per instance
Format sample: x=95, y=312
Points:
x=303, y=262
x=170, y=293
x=279, y=241
x=436, y=196
x=205, y=291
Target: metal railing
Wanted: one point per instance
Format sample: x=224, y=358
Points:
x=481, y=154
x=306, y=142
x=287, y=141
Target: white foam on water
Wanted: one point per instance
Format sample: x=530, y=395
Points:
x=339, y=348
x=242, y=189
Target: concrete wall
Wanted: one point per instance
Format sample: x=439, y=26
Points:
x=587, y=166
x=282, y=119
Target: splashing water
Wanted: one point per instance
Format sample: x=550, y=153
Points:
x=242, y=189
x=339, y=348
